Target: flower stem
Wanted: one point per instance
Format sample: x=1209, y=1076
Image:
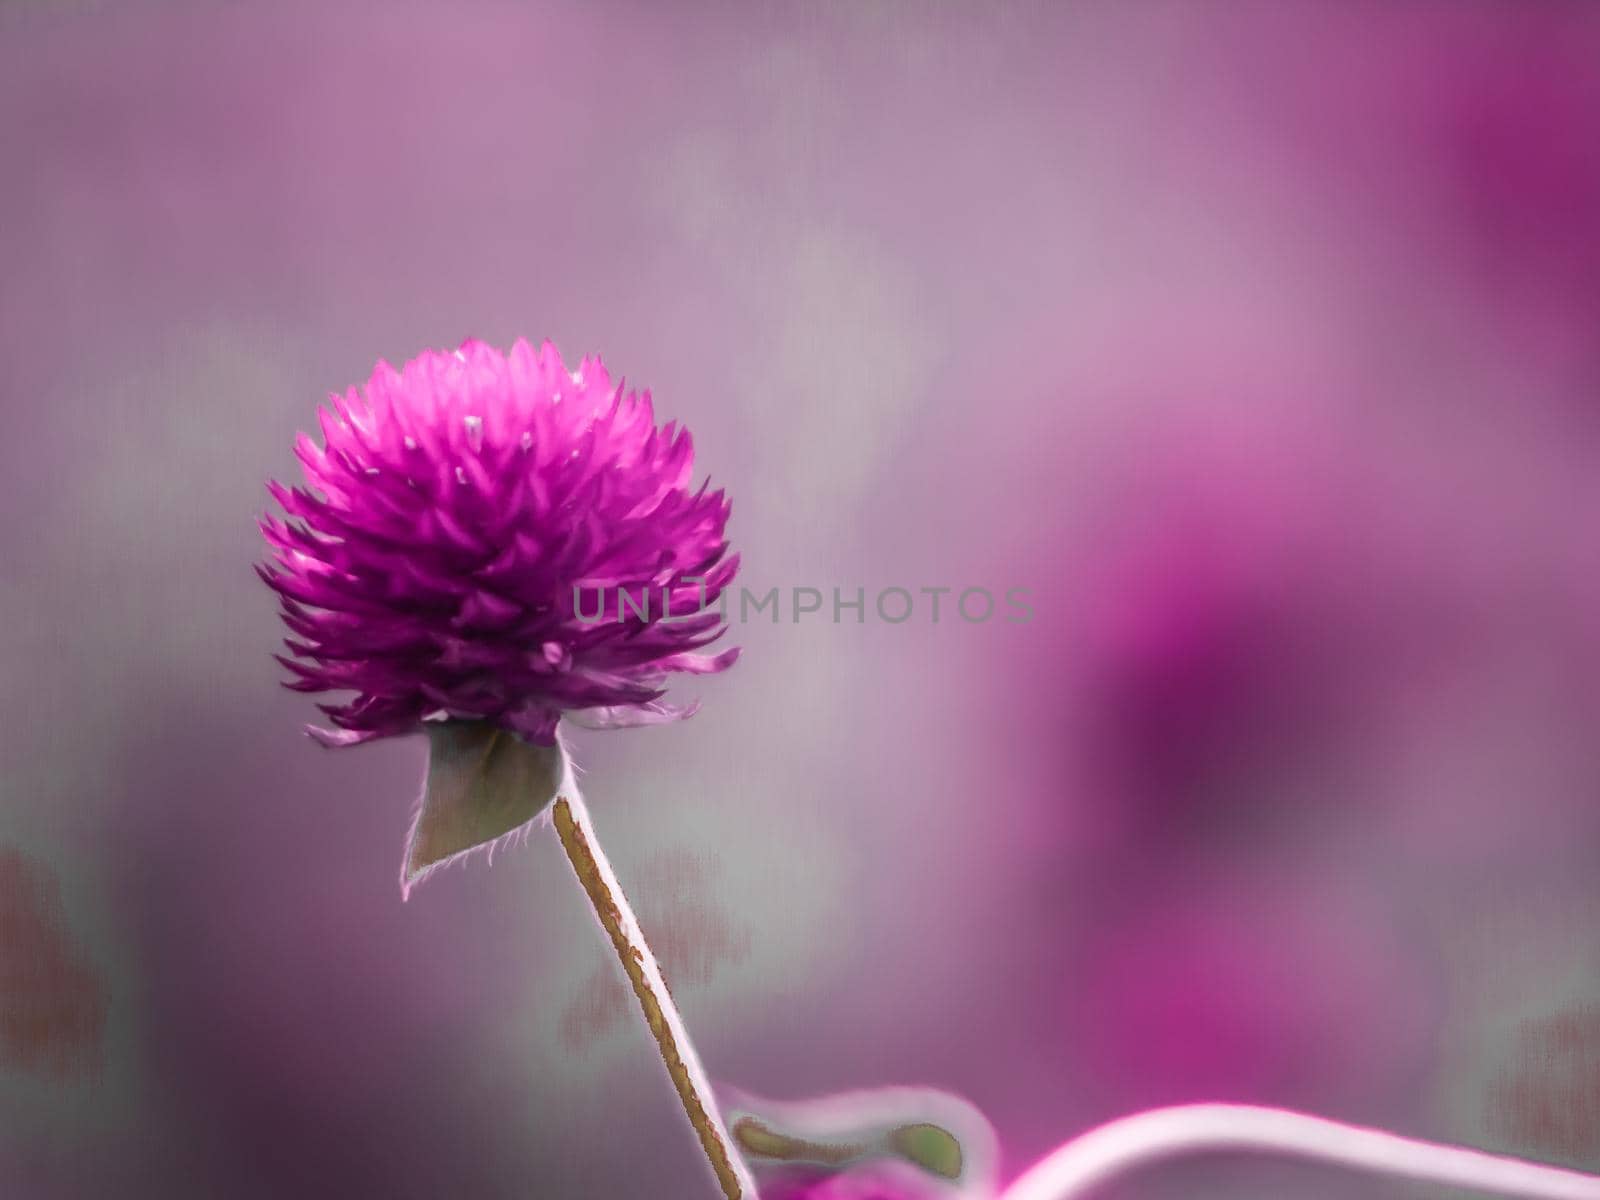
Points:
x=655, y=1001
x=1086, y=1162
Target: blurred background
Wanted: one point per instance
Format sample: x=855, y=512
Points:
x=1261, y=341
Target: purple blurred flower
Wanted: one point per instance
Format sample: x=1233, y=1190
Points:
x=872, y=1181
x=459, y=550
x=1275, y=985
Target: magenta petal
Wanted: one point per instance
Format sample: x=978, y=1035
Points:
x=702, y=664
x=335, y=738
x=631, y=716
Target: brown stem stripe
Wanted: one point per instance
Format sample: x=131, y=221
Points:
x=768, y=1143
x=582, y=858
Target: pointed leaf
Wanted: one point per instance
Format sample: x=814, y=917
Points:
x=483, y=784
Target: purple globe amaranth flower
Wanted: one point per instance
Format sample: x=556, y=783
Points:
x=460, y=555
x=475, y=508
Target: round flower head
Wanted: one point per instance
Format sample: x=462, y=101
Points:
x=489, y=537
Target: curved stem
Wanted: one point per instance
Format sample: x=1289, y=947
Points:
x=655, y=1001
x=1084, y=1163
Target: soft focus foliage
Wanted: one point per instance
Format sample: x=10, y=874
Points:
x=891, y=1143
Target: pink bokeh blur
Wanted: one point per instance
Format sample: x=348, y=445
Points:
x=1261, y=341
